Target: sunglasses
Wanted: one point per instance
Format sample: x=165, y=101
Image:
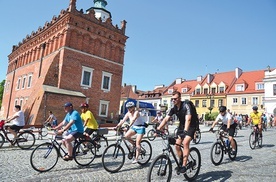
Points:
x=174, y=98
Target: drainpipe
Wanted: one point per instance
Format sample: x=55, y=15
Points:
x=9, y=104
x=41, y=59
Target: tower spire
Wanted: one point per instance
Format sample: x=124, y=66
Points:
x=100, y=11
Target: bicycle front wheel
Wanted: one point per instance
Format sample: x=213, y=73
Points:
x=166, y=132
x=151, y=135
x=84, y=156
x=145, y=152
x=217, y=153
x=113, y=158
x=25, y=140
x=160, y=169
x=44, y=131
x=252, y=140
x=2, y=140
x=193, y=164
x=260, y=141
x=44, y=157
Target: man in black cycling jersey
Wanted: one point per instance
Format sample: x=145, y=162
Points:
x=186, y=129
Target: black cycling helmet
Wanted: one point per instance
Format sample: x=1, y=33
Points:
x=255, y=108
x=222, y=108
x=130, y=104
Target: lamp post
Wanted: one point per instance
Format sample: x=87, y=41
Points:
x=210, y=97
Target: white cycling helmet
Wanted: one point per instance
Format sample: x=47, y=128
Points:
x=130, y=104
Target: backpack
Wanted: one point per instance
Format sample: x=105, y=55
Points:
x=194, y=113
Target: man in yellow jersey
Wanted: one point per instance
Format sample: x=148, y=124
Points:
x=256, y=118
x=89, y=122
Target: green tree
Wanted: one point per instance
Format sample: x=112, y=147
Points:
x=2, y=85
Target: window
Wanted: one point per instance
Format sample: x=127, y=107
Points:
x=103, y=108
x=235, y=101
x=204, y=103
x=106, y=81
x=259, y=86
x=221, y=89
x=255, y=100
x=198, y=91
x=170, y=91
x=21, y=102
x=243, y=100
x=86, y=77
x=212, y=103
x=165, y=102
x=29, y=81
x=15, y=102
x=23, y=82
x=213, y=90
x=18, y=83
x=274, y=89
x=7, y=86
x=196, y=103
x=220, y=102
x=240, y=87
x=205, y=91
x=184, y=90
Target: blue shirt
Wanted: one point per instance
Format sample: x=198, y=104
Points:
x=77, y=125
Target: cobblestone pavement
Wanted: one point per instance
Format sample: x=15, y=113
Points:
x=250, y=165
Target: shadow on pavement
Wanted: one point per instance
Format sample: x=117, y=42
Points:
x=243, y=158
x=215, y=176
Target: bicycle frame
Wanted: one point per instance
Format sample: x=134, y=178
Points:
x=221, y=136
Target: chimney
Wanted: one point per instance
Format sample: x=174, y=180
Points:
x=238, y=72
x=134, y=88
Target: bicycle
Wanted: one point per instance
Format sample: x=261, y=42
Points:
x=25, y=139
x=197, y=135
x=255, y=138
x=220, y=147
x=45, y=156
x=113, y=157
x=100, y=141
x=161, y=166
x=43, y=130
x=151, y=135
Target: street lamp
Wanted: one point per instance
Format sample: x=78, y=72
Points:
x=210, y=97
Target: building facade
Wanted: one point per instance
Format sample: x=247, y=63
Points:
x=76, y=57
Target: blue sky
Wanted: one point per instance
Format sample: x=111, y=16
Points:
x=181, y=39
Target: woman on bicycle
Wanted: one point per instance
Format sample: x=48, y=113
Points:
x=228, y=125
x=256, y=118
x=137, y=126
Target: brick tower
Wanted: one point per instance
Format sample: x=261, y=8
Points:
x=76, y=57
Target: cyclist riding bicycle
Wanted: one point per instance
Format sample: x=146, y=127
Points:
x=89, y=121
x=137, y=126
x=256, y=118
x=228, y=125
x=186, y=129
x=73, y=123
x=18, y=121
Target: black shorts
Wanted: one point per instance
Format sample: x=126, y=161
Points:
x=16, y=128
x=191, y=132
x=89, y=131
x=77, y=135
x=231, y=129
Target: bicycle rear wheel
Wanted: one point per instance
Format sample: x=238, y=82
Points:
x=2, y=140
x=193, y=164
x=84, y=156
x=160, y=169
x=232, y=155
x=44, y=157
x=145, y=153
x=150, y=134
x=252, y=140
x=25, y=140
x=113, y=158
x=101, y=145
x=197, y=137
x=260, y=141
x=217, y=153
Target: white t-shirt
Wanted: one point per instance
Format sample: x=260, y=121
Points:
x=20, y=120
x=224, y=119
